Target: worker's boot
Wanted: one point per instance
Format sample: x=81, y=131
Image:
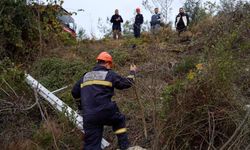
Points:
x=123, y=141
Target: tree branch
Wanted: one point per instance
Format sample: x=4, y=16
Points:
x=236, y=131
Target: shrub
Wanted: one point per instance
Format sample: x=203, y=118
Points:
x=120, y=57
x=55, y=73
x=25, y=30
x=188, y=63
x=205, y=109
x=17, y=30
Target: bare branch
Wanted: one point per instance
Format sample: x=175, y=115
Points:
x=236, y=131
x=5, y=92
x=5, y=101
x=142, y=112
x=30, y=107
x=10, y=87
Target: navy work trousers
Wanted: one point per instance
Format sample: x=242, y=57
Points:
x=93, y=127
x=137, y=31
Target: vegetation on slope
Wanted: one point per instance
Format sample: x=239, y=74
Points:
x=193, y=92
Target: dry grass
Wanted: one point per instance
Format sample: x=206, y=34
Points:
x=180, y=113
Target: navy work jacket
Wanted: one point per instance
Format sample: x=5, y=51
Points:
x=139, y=19
x=96, y=89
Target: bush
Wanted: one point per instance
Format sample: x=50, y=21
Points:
x=120, y=57
x=55, y=73
x=21, y=124
x=200, y=109
x=205, y=108
x=188, y=63
x=130, y=42
x=17, y=30
x=10, y=75
x=24, y=33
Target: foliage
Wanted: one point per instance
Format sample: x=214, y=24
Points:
x=55, y=73
x=51, y=135
x=227, y=5
x=22, y=126
x=187, y=64
x=17, y=29
x=209, y=102
x=120, y=57
x=211, y=8
x=195, y=10
x=128, y=29
x=15, y=97
x=193, y=97
x=133, y=41
x=26, y=29
x=105, y=27
x=82, y=34
x=43, y=138
x=10, y=74
x=163, y=5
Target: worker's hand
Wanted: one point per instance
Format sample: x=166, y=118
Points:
x=133, y=68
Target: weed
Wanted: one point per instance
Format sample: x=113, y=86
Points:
x=55, y=73
x=188, y=63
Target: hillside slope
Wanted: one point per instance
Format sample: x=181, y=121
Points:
x=192, y=88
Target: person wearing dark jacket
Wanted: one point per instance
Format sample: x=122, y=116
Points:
x=95, y=89
x=116, y=19
x=138, y=23
x=181, y=21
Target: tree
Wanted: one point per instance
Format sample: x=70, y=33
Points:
x=104, y=27
x=164, y=5
x=82, y=34
x=227, y=5
x=210, y=7
x=195, y=10
x=17, y=29
x=128, y=28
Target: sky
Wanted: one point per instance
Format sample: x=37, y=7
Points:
x=95, y=9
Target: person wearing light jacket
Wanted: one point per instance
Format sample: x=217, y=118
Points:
x=156, y=21
x=181, y=21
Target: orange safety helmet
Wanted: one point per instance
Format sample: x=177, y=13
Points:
x=105, y=56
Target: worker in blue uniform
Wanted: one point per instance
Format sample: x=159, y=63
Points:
x=95, y=89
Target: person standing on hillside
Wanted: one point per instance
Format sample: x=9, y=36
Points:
x=95, y=89
x=138, y=23
x=181, y=21
x=156, y=21
x=116, y=19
